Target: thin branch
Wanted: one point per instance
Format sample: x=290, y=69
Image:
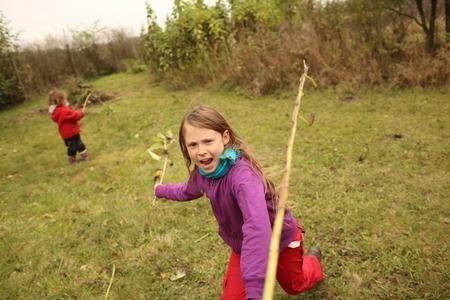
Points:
x=405, y=15
x=86, y=101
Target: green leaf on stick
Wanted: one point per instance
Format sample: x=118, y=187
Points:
x=154, y=155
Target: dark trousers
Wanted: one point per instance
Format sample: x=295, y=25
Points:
x=74, y=144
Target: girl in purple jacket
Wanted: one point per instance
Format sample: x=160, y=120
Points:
x=243, y=201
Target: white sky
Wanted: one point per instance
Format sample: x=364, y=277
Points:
x=35, y=19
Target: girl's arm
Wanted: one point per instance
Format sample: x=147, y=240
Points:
x=74, y=115
x=179, y=192
x=256, y=230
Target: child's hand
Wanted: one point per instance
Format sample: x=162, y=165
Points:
x=154, y=188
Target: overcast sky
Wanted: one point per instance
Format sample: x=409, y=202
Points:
x=35, y=19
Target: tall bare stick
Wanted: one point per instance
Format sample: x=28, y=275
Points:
x=269, y=284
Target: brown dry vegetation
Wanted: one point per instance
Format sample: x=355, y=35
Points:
x=273, y=60
x=88, y=53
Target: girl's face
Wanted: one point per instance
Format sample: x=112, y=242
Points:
x=205, y=146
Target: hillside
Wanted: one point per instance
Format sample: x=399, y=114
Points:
x=370, y=184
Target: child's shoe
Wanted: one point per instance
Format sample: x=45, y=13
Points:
x=71, y=159
x=84, y=155
x=315, y=251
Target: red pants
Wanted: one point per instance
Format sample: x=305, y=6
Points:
x=296, y=273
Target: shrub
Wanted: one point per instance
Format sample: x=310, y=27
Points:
x=193, y=44
x=11, y=87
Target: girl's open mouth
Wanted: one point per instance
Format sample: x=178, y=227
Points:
x=206, y=162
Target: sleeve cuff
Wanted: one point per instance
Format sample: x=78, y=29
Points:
x=254, y=288
x=159, y=191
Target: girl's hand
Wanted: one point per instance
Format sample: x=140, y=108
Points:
x=154, y=188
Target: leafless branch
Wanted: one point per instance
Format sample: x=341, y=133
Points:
x=405, y=15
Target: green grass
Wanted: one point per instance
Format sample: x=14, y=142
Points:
x=370, y=184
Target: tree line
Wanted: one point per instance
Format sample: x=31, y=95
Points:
x=260, y=44
x=256, y=45
x=83, y=54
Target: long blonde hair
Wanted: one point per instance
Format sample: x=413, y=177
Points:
x=209, y=118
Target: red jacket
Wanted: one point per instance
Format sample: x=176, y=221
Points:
x=67, y=120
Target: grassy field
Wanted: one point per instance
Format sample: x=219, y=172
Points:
x=370, y=184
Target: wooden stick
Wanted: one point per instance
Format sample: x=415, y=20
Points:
x=86, y=101
x=111, y=281
x=269, y=284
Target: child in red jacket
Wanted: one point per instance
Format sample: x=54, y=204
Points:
x=69, y=128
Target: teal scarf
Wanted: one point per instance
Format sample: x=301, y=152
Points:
x=227, y=160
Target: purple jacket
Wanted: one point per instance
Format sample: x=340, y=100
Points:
x=245, y=216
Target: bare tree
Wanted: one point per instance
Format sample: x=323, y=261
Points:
x=428, y=25
x=430, y=28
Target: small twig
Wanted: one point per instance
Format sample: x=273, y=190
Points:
x=199, y=239
x=86, y=101
x=111, y=281
x=60, y=265
x=310, y=122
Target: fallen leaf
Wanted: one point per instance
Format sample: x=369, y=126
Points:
x=180, y=274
